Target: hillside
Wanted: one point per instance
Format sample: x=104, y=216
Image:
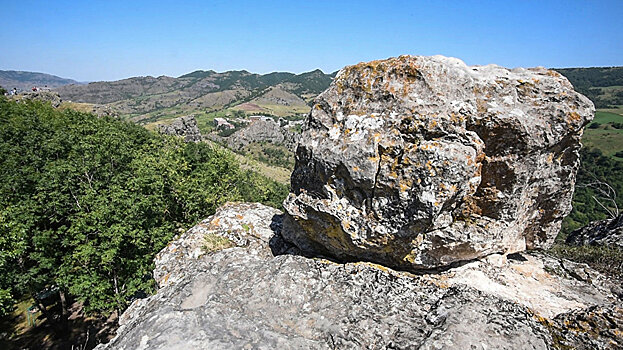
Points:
x=205, y=93
x=603, y=85
x=24, y=81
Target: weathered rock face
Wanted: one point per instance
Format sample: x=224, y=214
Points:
x=601, y=233
x=262, y=131
x=261, y=295
x=419, y=162
x=48, y=96
x=183, y=126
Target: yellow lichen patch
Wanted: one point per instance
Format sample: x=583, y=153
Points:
x=239, y=217
x=345, y=224
x=318, y=107
x=356, y=168
x=574, y=116
x=215, y=221
x=481, y=106
x=410, y=258
x=552, y=73
x=550, y=158
x=403, y=187
x=376, y=266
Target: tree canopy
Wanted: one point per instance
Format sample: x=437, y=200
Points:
x=86, y=202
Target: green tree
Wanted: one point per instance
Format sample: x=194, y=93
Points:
x=86, y=202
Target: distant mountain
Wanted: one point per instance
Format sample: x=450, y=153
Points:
x=603, y=85
x=149, y=99
x=21, y=80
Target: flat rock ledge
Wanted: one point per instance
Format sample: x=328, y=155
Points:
x=261, y=294
x=421, y=162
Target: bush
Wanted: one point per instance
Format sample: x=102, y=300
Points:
x=87, y=202
x=594, y=126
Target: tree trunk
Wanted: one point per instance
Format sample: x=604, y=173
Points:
x=61, y=295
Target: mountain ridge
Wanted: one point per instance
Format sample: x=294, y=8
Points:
x=25, y=80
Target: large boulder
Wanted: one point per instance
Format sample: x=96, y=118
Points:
x=185, y=127
x=262, y=130
x=44, y=95
x=258, y=293
x=420, y=162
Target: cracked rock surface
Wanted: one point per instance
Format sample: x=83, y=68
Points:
x=260, y=294
x=185, y=127
x=420, y=162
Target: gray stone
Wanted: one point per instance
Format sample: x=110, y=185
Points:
x=183, y=126
x=260, y=294
x=607, y=233
x=47, y=96
x=262, y=130
x=422, y=162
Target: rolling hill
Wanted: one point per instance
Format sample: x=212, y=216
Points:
x=206, y=94
x=23, y=81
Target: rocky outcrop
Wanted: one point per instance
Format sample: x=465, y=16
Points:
x=599, y=233
x=260, y=294
x=47, y=96
x=262, y=130
x=183, y=126
x=421, y=162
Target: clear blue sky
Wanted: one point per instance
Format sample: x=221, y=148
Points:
x=109, y=40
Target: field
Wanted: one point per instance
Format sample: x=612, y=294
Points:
x=606, y=138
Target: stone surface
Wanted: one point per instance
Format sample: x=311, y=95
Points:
x=600, y=233
x=183, y=126
x=263, y=130
x=261, y=294
x=47, y=96
x=421, y=162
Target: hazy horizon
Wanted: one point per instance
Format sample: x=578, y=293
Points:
x=115, y=40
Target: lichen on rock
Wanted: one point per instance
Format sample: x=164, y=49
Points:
x=420, y=162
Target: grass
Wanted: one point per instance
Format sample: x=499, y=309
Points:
x=17, y=322
x=274, y=155
x=605, y=138
x=213, y=243
x=606, y=260
x=603, y=117
x=618, y=110
x=274, y=109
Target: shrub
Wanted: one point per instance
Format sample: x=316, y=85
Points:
x=87, y=202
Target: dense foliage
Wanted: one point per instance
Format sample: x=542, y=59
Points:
x=595, y=169
x=86, y=202
x=591, y=81
x=591, y=77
